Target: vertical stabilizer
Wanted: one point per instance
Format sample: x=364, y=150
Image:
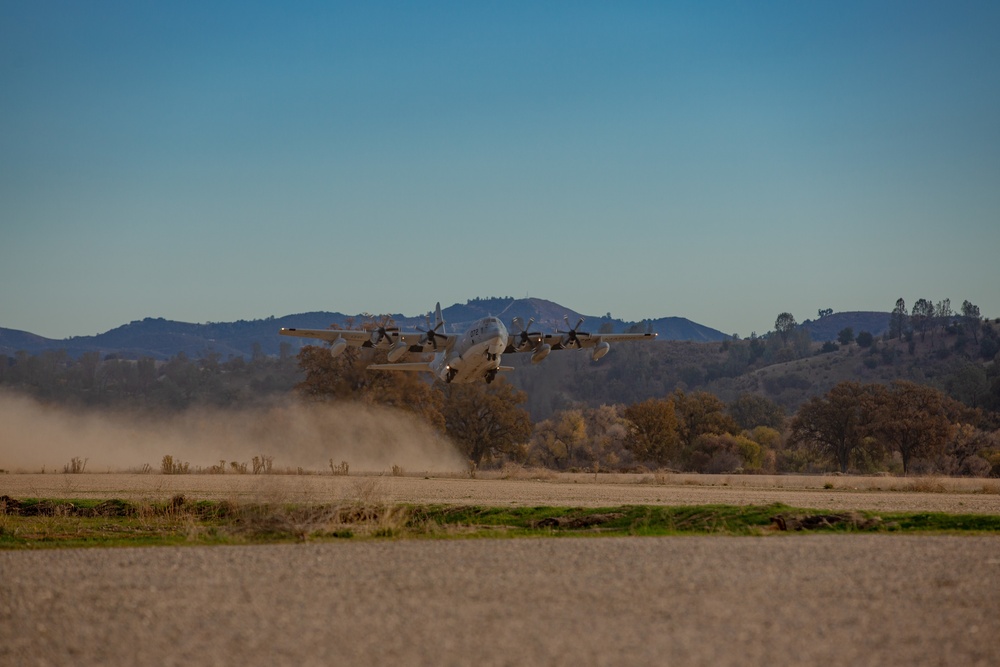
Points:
x=438, y=317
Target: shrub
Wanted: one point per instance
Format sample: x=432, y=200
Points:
x=262, y=464
x=75, y=465
x=715, y=454
x=170, y=467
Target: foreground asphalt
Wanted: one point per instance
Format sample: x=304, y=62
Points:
x=777, y=600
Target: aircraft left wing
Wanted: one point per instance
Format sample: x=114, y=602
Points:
x=579, y=340
x=539, y=344
x=560, y=341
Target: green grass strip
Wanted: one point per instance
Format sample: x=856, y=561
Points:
x=56, y=523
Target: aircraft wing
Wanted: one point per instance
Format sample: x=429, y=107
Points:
x=414, y=340
x=353, y=338
x=581, y=340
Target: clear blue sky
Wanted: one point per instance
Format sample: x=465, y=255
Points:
x=721, y=161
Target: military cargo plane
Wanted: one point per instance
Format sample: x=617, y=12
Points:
x=473, y=356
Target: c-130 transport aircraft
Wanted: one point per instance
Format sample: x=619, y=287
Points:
x=473, y=356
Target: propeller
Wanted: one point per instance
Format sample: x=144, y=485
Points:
x=379, y=335
x=570, y=339
x=431, y=335
x=524, y=336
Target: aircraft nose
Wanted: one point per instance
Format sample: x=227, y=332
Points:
x=498, y=332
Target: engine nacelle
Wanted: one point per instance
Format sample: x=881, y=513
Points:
x=397, y=352
x=337, y=347
x=600, y=350
x=541, y=352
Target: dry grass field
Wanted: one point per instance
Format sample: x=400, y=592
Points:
x=526, y=487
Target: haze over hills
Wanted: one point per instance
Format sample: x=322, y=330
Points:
x=161, y=339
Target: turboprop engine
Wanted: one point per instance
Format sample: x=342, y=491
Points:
x=600, y=350
x=397, y=351
x=540, y=353
x=571, y=337
x=337, y=347
x=379, y=335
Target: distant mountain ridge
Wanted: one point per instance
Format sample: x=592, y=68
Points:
x=828, y=327
x=161, y=339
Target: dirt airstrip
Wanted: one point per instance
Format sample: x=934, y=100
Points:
x=534, y=488
x=775, y=600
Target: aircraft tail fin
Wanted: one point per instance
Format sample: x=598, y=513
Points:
x=438, y=316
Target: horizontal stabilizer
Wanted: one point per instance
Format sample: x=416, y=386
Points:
x=412, y=367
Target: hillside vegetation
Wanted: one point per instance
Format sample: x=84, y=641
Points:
x=732, y=405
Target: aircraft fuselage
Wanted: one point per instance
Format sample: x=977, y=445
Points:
x=475, y=355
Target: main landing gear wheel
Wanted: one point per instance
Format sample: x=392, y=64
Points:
x=491, y=376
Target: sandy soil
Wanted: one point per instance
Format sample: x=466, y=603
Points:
x=859, y=493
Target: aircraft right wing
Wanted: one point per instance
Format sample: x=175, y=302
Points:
x=400, y=343
x=407, y=342
x=353, y=338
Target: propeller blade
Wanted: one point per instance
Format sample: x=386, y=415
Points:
x=379, y=335
x=430, y=336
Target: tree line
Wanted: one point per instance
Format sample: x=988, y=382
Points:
x=146, y=384
x=902, y=427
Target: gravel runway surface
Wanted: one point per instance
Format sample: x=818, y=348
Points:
x=781, y=600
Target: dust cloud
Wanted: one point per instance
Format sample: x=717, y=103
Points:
x=369, y=438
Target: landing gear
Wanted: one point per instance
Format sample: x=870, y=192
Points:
x=451, y=375
x=491, y=376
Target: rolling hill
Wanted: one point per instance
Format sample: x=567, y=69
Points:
x=827, y=328
x=161, y=339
